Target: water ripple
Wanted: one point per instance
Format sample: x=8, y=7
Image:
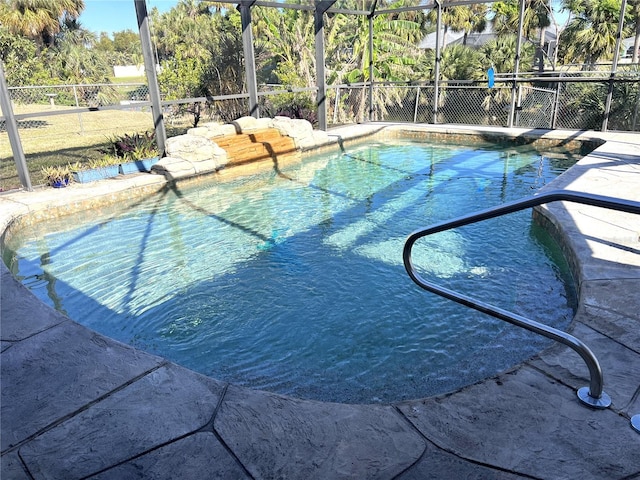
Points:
x=294, y=282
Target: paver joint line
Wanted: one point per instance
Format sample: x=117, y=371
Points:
x=25, y=467
x=85, y=407
x=46, y=329
x=604, y=334
x=452, y=453
x=141, y=454
x=426, y=439
x=633, y=399
x=210, y=427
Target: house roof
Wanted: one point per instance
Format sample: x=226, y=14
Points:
x=474, y=40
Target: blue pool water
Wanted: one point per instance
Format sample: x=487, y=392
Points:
x=292, y=280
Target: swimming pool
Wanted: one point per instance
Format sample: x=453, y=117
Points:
x=292, y=281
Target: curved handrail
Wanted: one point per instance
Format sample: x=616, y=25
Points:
x=593, y=396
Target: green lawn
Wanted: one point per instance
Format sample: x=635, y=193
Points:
x=67, y=138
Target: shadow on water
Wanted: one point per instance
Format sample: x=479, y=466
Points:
x=531, y=137
x=55, y=289
x=408, y=180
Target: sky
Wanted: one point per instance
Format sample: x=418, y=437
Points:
x=116, y=15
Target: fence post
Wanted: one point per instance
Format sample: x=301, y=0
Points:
x=152, y=78
x=415, y=110
x=321, y=6
x=12, y=131
x=335, y=107
x=634, y=121
x=75, y=94
x=516, y=67
x=436, y=92
x=614, y=67
x=518, y=106
x=556, y=106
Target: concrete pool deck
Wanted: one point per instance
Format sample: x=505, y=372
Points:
x=76, y=404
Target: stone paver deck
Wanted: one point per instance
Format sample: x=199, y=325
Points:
x=77, y=405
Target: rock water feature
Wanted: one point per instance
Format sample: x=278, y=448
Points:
x=212, y=147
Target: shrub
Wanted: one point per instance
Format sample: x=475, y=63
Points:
x=136, y=146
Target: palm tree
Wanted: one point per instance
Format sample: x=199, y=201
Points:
x=592, y=31
x=536, y=20
x=460, y=62
x=287, y=39
x=395, y=54
x=200, y=49
x=188, y=27
x=475, y=20
x=466, y=19
x=395, y=37
x=501, y=53
x=506, y=16
x=40, y=20
x=72, y=58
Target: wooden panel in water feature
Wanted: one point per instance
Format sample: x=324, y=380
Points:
x=259, y=145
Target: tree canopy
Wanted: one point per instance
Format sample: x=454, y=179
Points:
x=39, y=20
x=199, y=44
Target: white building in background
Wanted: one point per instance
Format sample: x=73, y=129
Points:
x=123, y=71
x=477, y=40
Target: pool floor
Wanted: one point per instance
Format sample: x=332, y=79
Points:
x=292, y=281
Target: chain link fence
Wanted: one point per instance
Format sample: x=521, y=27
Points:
x=52, y=101
x=347, y=104
x=79, y=95
x=535, y=107
x=581, y=106
x=396, y=103
x=186, y=113
x=568, y=105
x=415, y=104
x=68, y=123
x=424, y=107
x=474, y=105
x=625, y=107
x=60, y=124
x=294, y=103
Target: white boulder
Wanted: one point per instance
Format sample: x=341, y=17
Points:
x=300, y=130
x=195, y=149
x=220, y=130
x=245, y=124
x=173, y=168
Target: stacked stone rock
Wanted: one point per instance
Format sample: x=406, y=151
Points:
x=213, y=146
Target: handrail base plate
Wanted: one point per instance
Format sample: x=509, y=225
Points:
x=584, y=394
x=635, y=423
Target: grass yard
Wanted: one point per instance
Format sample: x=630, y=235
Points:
x=67, y=138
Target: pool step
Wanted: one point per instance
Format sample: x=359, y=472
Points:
x=266, y=144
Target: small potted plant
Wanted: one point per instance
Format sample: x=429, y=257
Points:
x=136, y=152
x=57, y=176
x=96, y=169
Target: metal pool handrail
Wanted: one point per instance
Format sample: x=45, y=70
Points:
x=593, y=396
